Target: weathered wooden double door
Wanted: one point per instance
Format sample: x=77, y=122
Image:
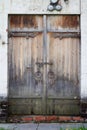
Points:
x=44, y=64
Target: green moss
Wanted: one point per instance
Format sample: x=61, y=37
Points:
x=80, y=128
x=3, y=129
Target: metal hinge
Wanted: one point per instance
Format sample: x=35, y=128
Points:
x=66, y=35
x=27, y=35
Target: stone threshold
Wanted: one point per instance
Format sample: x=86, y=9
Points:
x=46, y=119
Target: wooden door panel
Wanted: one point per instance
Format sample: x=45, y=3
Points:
x=25, y=83
x=44, y=64
x=64, y=55
x=63, y=52
x=23, y=58
x=25, y=106
x=62, y=22
x=62, y=107
x=23, y=22
x=25, y=76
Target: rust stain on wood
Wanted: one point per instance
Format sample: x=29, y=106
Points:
x=64, y=22
x=15, y=21
x=69, y=21
x=23, y=21
x=29, y=21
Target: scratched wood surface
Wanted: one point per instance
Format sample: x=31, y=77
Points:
x=44, y=68
x=64, y=54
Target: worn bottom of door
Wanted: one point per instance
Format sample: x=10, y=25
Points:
x=35, y=107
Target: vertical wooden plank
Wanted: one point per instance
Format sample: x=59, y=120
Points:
x=37, y=106
x=44, y=61
x=78, y=60
x=70, y=60
x=29, y=76
x=50, y=106
x=34, y=53
x=10, y=70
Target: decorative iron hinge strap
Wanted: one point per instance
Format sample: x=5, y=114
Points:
x=66, y=35
x=27, y=35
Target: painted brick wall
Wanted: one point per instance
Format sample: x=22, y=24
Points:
x=36, y=7
x=83, y=49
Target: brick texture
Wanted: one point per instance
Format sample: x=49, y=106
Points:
x=47, y=119
x=3, y=110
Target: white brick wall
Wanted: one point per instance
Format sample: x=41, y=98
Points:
x=37, y=6
x=3, y=53
x=40, y=7
x=83, y=48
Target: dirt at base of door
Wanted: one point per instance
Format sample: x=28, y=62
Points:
x=3, y=109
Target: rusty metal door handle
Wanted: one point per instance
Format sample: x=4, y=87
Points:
x=29, y=67
x=40, y=64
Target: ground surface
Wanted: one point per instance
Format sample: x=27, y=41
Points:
x=42, y=126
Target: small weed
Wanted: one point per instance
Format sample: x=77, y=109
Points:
x=3, y=129
x=80, y=128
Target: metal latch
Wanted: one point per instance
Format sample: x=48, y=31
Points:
x=29, y=68
x=41, y=64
